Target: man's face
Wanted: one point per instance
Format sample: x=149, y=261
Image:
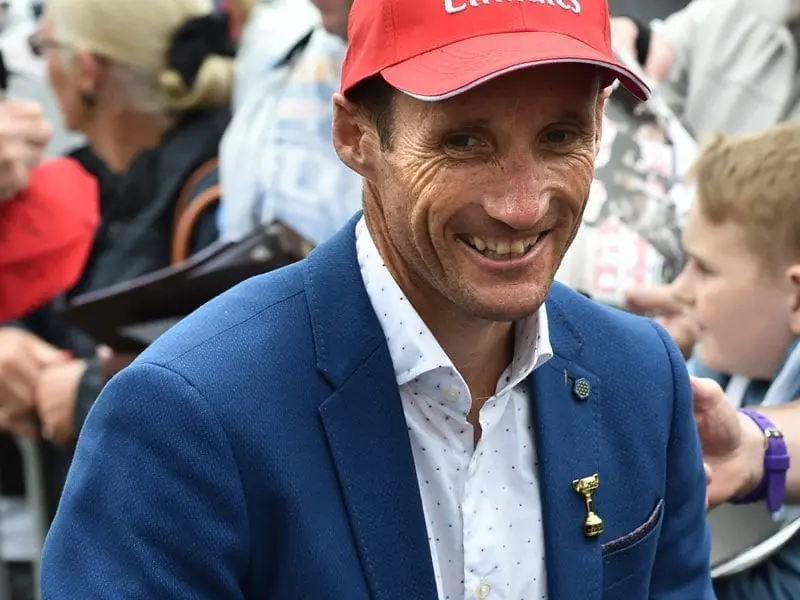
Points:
x=741, y=314
x=481, y=194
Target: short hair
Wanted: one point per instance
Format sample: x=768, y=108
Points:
x=754, y=181
x=376, y=97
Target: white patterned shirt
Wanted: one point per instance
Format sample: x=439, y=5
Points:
x=482, y=504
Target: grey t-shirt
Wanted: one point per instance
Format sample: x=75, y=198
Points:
x=735, y=65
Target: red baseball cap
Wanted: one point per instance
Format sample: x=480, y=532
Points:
x=436, y=49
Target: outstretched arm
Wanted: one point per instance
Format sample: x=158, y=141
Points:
x=733, y=445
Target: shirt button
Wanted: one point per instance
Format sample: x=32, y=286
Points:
x=483, y=591
x=452, y=394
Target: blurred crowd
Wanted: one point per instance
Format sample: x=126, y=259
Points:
x=205, y=122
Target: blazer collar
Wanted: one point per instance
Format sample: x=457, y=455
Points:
x=365, y=426
x=340, y=309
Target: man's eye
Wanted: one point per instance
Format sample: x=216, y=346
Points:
x=559, y=136
x=462, y=141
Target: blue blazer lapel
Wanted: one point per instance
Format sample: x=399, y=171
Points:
x=566, y=421
x=365, y=426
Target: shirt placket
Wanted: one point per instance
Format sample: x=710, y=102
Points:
x=481, y=506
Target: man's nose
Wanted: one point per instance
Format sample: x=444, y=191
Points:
x=522, y=200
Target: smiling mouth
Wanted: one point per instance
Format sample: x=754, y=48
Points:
x=501, y=248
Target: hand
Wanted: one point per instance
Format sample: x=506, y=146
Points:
x=24, y=136
x=23, y=356
x=733, y=445
x=56, y=392
x=624, y=35
x=662, y=303
x=660, y=54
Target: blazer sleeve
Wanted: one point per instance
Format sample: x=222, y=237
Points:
x=682, y=568
x=153, y=506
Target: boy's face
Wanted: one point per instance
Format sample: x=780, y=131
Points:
x=742, y=315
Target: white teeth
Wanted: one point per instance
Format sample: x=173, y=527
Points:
x=502, y=247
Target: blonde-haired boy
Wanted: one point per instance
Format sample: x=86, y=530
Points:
x=741, y=289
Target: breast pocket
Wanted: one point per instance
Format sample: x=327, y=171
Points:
x=627, y=560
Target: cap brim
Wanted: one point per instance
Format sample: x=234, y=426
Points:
x=461, y=66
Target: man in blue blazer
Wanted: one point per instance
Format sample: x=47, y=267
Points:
x=415, y=411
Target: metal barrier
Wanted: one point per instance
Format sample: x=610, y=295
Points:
x=33, y=473
x=5, y=582
x=35, y=496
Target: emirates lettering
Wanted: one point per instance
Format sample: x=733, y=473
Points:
x=456, y=6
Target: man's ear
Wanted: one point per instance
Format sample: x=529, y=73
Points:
x=354, y=137
x=793, y=279
x=602, y=98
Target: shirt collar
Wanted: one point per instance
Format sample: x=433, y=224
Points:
x=413, y=348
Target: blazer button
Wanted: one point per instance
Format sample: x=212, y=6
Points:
x=582, y=388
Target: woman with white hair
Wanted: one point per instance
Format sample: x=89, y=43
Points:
x=148, y=82
x=128, y=73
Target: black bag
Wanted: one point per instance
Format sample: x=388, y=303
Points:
x=128, y=316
